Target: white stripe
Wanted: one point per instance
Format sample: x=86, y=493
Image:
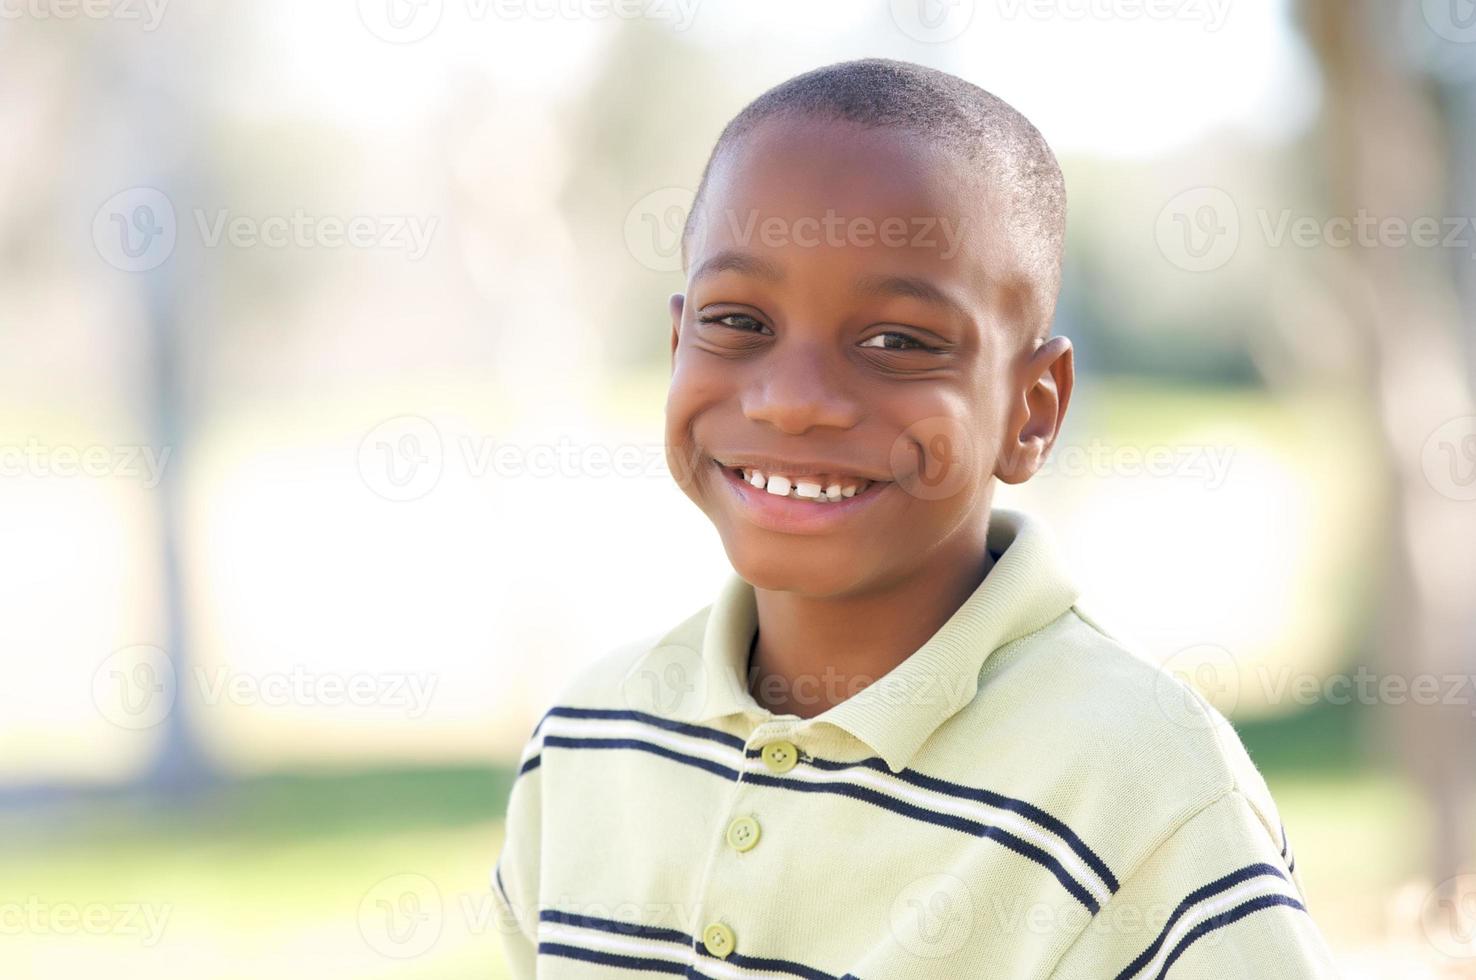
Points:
x=733, y=758
x=969, y=809
x=1213, y=906
x=607, y=942
x=684, y=955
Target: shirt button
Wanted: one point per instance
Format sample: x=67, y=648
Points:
x=743, y=833
x=718, y=939
x=780, y=756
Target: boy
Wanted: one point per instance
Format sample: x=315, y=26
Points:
x=893, y=747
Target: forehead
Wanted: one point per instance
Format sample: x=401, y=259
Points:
x=835, y=194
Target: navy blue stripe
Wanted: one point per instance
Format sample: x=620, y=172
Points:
x=624, y=961
x=961, y=824
x=1224, y=919
x=1029, y=811
x=567, y=742
x=661, y=934
x=1198, y=895
x=615, y=714
x=616, y=926
x=531, y=764
x=497, y=874
x=770, y=965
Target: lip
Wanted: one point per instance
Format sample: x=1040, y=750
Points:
x=792, y=516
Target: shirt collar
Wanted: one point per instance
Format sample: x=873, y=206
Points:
x=1026, y=589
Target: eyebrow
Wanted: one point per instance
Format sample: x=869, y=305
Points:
x=911, y=287
x=733, y=260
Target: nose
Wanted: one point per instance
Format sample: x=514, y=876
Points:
x=799, y=389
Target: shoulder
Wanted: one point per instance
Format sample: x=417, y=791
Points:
x=1118, y=747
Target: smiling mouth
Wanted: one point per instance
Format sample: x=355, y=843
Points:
x=819, y=488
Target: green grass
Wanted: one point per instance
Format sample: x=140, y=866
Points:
x=277, y=877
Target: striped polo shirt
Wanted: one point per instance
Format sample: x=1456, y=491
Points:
x=1021, y=797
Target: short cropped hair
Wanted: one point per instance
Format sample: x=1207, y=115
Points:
x=981, y=129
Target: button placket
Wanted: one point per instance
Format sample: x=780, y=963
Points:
x=743, y=831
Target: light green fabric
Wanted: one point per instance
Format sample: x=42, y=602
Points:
x=1022, y=797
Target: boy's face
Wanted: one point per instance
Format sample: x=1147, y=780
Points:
x=848, y=327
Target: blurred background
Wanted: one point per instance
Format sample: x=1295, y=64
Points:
x=333, y=348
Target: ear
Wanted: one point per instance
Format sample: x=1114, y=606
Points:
x=676, y=304
x=1035, y=420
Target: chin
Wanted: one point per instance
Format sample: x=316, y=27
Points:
x=796, y=564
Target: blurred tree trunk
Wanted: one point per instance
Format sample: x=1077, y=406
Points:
x=151, y=87
x=1389, y=150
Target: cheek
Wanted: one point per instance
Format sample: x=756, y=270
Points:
x=697, y=385
x=693, y=391
x=942, y=452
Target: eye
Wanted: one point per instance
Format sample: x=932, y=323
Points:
x=892, y=340
x=736, y=321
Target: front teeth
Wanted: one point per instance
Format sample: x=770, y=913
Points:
x=802, y=489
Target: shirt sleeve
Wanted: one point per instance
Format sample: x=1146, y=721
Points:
x=515, y=876
x=1215, y=901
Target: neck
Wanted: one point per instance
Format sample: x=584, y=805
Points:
x=812, y=652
